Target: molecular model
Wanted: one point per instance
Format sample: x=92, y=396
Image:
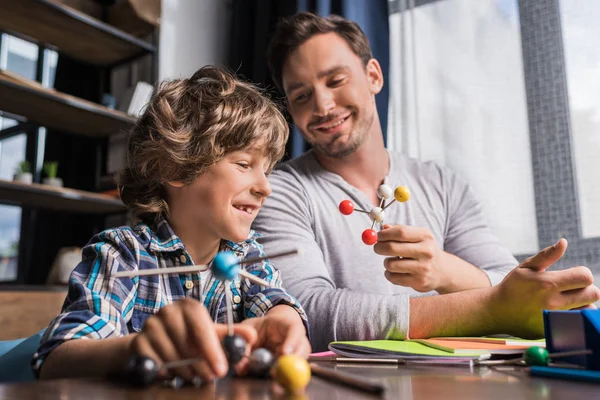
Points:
x=290, y=371
x=377, y=214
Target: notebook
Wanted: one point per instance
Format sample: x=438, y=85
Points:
x=452, y=349
x=405, y=350
x=510, y=341
x=466, y=346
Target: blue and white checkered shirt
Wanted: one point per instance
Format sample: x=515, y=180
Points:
x=99, y=306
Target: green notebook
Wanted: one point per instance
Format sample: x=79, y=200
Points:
x=398, y=349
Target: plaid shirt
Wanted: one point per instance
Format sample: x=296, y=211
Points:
x=98, y=306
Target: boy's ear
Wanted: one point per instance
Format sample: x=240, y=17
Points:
x=176, y=184
x=374, y=76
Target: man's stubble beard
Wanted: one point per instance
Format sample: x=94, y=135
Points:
x=357, y=138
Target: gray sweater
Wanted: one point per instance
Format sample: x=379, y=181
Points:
x=338, y=279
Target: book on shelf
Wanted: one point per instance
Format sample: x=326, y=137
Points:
x=136, y=98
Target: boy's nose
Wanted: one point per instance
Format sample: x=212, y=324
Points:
x=261, y=186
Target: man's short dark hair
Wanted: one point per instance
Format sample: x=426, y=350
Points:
x=292, y=32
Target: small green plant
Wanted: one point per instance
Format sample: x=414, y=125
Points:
x=23, y=167
x=51, y=168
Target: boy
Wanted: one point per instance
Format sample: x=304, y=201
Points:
x=198, y=161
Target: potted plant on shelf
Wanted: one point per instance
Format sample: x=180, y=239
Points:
x=50, y=169
x=23, y=173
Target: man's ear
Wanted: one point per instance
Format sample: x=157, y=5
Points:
x=176, y=184
x=374, y=76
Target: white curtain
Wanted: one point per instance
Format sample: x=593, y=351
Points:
x=458, y=98
x=581, y=39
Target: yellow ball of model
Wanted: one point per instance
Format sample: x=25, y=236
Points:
x=293, y=373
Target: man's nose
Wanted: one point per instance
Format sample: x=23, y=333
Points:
x=324, y=103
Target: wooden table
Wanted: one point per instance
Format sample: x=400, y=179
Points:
x=404, y=382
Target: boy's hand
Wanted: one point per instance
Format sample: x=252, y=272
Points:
x=281, y=331
x=529, y=289
x=185, y=330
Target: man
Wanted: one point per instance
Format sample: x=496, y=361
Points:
x=439, y=242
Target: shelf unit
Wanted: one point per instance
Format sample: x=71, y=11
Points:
x=76, y=34
x=91, y=47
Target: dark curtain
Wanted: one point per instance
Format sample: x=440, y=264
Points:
x=253, y=22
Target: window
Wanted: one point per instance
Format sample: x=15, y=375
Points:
x=458, y=97
x=10, y=227
x=581, y=37
x=20, y=57
x=470, y=71
x=12, y=152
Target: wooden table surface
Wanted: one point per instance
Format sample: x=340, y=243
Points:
x=403, y=382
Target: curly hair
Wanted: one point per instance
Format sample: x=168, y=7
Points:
x=188, y=126
x=291, y=32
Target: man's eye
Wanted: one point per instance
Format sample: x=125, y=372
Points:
x=300, y=98
x=336, y=82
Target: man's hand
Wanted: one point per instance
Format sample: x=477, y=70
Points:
x=416, y=261
x=529, y=289
x=281, y=331
x=184, y=330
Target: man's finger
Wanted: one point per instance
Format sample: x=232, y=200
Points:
x=581, y=297
x=572, y=278
x=402, y=249
x=397, y=265
x=546, y=257
x=403, y=233
x=400, y=279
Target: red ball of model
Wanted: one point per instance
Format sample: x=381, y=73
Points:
x=346, y=207
x=369, y=237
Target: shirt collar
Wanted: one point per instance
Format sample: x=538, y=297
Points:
x=164, y=239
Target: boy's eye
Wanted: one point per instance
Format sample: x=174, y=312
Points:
x=243, y=165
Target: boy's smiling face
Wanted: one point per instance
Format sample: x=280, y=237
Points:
x=223, y=202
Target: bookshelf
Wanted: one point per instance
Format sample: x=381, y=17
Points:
x=77, y=129
x=76, y=34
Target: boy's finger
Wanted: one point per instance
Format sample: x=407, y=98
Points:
x=295, y=335
x=546, y=257
x=305, y=349
x=142, y=347
x=201, y=331
x=174, y=324
x=163, y=345
x=246, y=331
